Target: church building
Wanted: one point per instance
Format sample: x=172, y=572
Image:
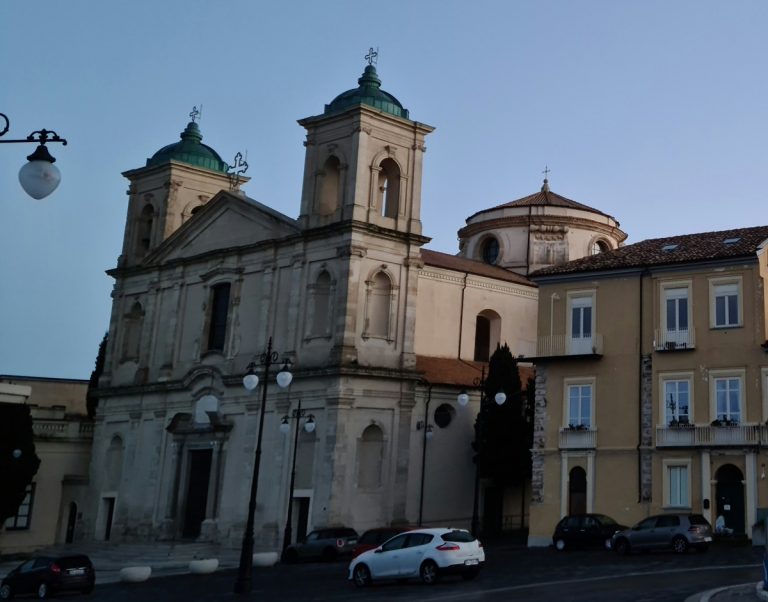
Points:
x=379, y=333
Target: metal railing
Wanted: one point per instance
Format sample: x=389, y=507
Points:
x=563, y=345
x=674, y=340
x=578, y=438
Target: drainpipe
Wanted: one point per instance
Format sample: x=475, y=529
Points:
x=640, y=395
x=461, y=315
x=528, y=246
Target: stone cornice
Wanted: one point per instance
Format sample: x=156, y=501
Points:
x=522, y=221
x=481, y=282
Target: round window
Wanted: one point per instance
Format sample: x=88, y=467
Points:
x=491, y=251
x=444, y=415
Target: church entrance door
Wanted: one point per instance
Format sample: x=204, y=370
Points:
x=197, y=491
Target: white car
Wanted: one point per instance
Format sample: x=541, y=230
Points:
x=424, y=553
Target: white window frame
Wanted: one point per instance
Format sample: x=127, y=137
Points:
x=666, y=377
x=578, y=382
x=717, y=375
x=583, y=345
x=678, y=336
x=670, y=492
x=720, y=283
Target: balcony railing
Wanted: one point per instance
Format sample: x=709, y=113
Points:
x=711, y=436
x=674, y=340
x=563, y=345
x=62, y=429
x=578, y=438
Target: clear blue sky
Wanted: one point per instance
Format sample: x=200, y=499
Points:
x=655, y=112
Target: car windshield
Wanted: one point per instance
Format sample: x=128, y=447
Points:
x=458, y=536
x=72, y=562
x=698, y=519
x=606, y=520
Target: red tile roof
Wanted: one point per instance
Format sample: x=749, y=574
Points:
x=470, y=266
x=685, y=248
x=459, y=373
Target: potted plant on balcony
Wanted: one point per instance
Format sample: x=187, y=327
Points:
x=577, y=427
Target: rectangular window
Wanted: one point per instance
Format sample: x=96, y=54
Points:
x=726, y=305
x=676, y=300
x=677, y=476
x=728, y=398
x=677, y=400
x=217, y=329
x=580, y=405
x=23, y=515
x=581, y=327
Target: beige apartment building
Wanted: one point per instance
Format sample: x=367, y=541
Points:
x=652, y=382
x=52, y=510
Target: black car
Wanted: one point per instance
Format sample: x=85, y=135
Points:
x=45, y=576
x=585, y=530
x=323, y=544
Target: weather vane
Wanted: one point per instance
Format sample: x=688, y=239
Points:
x=373, y=56
x=195, y=114
x=234, y=171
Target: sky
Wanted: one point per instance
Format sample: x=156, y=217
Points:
x=654, y=112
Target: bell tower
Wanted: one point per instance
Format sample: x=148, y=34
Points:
x=174, y=184
x=363, y=161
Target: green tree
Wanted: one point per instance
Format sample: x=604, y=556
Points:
x=91, y=399
x=18, y=460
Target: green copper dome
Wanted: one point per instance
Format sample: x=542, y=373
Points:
x=191, y=151
x=368, y=93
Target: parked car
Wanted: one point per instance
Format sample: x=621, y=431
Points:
x=373, y=538
x=323, y=544
x=45, y=576
x=676, y=531
x=585, y=530
x=424, y=553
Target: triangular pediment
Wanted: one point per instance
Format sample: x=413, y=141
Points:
x=227, y=221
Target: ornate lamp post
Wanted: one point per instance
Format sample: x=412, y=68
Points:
x=285, y=427
x=250, y=382
x=463, y=400
x=40, y=176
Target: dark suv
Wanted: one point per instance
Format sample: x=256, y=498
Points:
x=324, y=544
x=676, y=531
x=45, y=576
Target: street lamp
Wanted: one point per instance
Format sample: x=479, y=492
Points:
x=309, y=426
x=427, y=434
x=40, y=176
x=463, y=400
x=250, y=382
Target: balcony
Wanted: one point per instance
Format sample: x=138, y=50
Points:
x=575, y=438
x=62, y=429
x=561, y=345
x=711, y=436
x=674, y=340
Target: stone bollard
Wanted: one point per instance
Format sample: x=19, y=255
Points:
x=203, y=566
x=265, y=559
x=135, y=574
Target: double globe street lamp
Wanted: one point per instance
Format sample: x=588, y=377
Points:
x=39, y=177
x=285, y=427
x=250, y=382
x=463, y=400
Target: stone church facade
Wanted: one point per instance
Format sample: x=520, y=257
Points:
x=381, y=335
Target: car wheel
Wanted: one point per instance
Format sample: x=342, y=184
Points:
x=5, y=592
x=361, y=575
x=680, y=544
x=608, y=543
x=429, y=572
x=42, y=591
x=622, y=547
x=329, y=554
x=470, y=574
x=291, y=556
x=559, y=545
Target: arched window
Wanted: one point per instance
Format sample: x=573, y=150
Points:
x=217, y=327
x=490, y=250
x=389, y=188
x=330, y=184
x=487, y=334
x=599, y=246
x=577, y=491
x=114, y=464
x=321, y=305
x=379, y=301
x=133, y=323
x=370, y=457
x=144, y=230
